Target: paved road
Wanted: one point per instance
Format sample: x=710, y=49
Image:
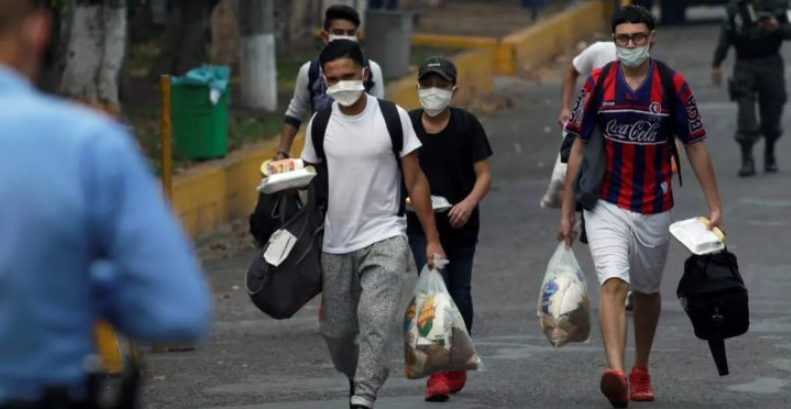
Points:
x=252, y=361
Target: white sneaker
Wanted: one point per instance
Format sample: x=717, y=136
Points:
x=553, y=198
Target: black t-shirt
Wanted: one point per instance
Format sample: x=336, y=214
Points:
x=448, y=158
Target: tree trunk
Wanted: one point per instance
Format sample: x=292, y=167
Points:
x=95, y=52
x=302, y=23
x=84, y=52
x=295, y=21
x=159, y=11
x=257, y=61
x=114, y=52
x=186, y=37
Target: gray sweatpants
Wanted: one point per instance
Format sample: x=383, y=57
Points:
x=360, y=296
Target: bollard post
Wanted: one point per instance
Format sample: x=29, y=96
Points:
x=167, y=149
x=167, y=158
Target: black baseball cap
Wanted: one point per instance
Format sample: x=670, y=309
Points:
x=440, y=66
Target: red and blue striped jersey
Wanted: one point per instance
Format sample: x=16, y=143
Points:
x=636, y=128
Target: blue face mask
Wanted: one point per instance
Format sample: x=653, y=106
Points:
x=633, y=57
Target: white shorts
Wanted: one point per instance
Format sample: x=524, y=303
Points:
x=627, y=245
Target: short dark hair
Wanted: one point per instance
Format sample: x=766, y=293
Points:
x=341, y=12
x=335, y=50
x=633, y=14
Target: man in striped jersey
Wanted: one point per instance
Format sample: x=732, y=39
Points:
x=639, y=115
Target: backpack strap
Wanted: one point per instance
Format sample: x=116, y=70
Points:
x=396, y=131
x=717, y=347
x=317, y=130
x=369, y=83
x=595, y=102
x=598, y=89
x=314, y=72
x=669, y=89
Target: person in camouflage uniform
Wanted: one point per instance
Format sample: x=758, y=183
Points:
x=756, y=29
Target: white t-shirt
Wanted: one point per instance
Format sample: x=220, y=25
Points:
x=597, y=55
x=364, y=181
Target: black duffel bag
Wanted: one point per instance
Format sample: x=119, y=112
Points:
x=270, y=211
x=714, y=297
x=283, y=290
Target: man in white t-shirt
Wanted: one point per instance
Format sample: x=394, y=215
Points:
x=365, y=246
x=597, y=55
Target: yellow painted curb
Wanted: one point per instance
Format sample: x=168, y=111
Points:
x=209, y=195
x=451, y=41
x=533, y=46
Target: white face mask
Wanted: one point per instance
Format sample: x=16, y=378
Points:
x=633, y=57
x=333, y=37
x=434, y=100
x=346, y=92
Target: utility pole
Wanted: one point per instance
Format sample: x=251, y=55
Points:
x=257, y=57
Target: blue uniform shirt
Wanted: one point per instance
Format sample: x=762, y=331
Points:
x=84, y=234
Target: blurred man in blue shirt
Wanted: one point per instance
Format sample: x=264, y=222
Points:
x=84, y=233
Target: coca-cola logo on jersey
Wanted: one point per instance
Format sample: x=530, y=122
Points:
x=643, y=132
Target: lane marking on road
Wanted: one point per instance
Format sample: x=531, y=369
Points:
x=411, y=402
x=761, y=386
x=783, y=364
x=771, y=203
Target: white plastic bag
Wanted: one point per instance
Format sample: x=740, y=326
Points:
x=553, y=197
x=435, y=337
x=563, y=304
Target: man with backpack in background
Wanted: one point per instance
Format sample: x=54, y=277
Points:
x=310, y=92
x=633, y=109
x=454, y=156
x=369, y=149
x=593, y=57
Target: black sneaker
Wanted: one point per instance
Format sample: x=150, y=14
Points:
x=770, y=163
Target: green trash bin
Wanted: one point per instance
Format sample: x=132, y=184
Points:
x=200, y=127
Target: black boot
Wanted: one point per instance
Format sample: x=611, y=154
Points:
x=748, y=163
x=770, y=164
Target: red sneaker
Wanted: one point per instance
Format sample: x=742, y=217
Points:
x=457, y=380
x=437, y=389
x=640, y=382
x=615, y=387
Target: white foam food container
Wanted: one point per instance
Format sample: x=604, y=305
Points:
x=695, y=236
x=295, y=179
x=438, y=203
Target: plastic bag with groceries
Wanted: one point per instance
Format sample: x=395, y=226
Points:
x=435, y=337
x=563, y=304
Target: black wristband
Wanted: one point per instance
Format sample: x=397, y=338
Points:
x=284, y=153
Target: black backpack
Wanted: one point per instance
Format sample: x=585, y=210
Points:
x=270, y=211
x=318, y=130
x=283, y=290
x=714, y=297
x=318, y=90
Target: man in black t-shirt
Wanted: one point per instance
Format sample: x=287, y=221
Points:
x=454, y=159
